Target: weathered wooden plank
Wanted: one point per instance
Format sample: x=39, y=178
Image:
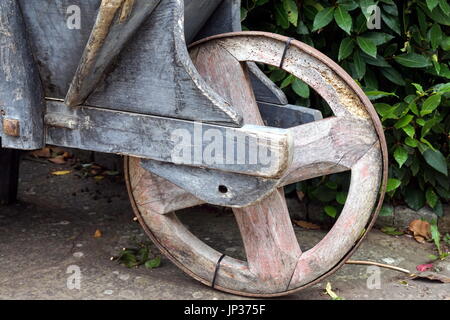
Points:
x=170, y=140
x=168, y=197
x=328, y=146
x=226, y=18
x=9, y=175
x=57, y=41
x=197, y=13
x=21, y=96
x=287, y=116
x=214, y=186
x=156, y=76
x=116, y=23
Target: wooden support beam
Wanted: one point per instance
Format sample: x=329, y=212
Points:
x=170, y=140
x=9, y=175
x=21, y=94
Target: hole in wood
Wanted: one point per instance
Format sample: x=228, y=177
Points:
x=223, y=189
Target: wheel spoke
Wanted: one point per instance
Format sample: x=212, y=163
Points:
x=328, y=146
x=269, y=239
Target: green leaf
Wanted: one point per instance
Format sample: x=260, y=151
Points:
x=359, y=64
x=346, y=48
x=348, y=5
x=378, y=38
x=341, y=197
x=438, y=209
x=343, y=19
x=413, y=107
x=379, y=61
x=437, y=14
x=301, y=88
x=409, y=130
x=443, y=4
x=413, y=143
x=387, y=210
x=324, y=194
x=393, y=75
x=391, y=9
x=400, y=155
x=287, y=82
x=435, y=36
x=331, y=211
x=430, y=104
x=365, y=4
x=415, y=198
x=436, y=160
x=436, y=236
x=153, y=263
x=323, y=18
x=291, y=9
x=280, y=16
x=431, y=197
x=302, y=28
x=375, y=95
x=413, y=60
x=403, y=122
x=367, y=46
x=277, y=75
x=244, y=13
x=392, y=22
x=393, y=184
x=431, y=4
x=392, y=231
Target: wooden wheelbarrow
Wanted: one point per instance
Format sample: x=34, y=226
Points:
x=197, y=125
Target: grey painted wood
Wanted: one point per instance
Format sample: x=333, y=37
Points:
x=213, y=186
x=21, y=96
x=155, y=75
x=287, y=116
x=197, y=14
x=226, y=18
x=9, y=175
x=265, y=90
x=116, y=23
x=158, y=138
x=58, y=49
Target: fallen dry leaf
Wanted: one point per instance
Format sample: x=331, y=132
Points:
x=433, y=276
x=42, y=153
x=98, y=234
x=424, y=267
x=420, y=230
x=307, y=225
x=58, y=160
x=61, y=173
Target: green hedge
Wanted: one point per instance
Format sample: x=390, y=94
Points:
x=404, y=69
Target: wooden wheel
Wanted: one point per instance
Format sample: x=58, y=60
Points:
x=351, y=140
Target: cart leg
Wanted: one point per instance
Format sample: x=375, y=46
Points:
x=9, y=175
